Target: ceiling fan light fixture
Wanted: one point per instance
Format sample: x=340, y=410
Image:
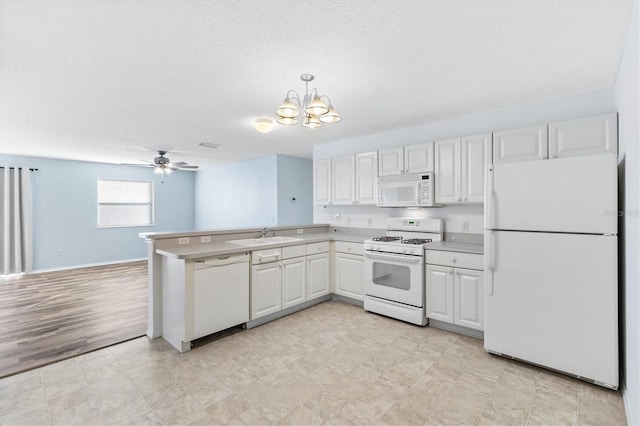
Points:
x=264, y=125
x=158, y=170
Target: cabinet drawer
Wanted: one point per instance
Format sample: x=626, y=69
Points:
x=351, y=248
x=294, y=251
x=266, y=256
x=315, y=248
x=455, y=259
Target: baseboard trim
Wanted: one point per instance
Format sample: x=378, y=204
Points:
x=88, y=265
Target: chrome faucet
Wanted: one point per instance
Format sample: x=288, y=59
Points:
x=264, y=232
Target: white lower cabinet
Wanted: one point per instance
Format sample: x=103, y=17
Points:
x=317, y=275
x=266, y=289
x=288, y=276
x=294, y=280
x=349, y=270
x=455, y=294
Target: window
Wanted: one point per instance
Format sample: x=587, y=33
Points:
x=124, y=203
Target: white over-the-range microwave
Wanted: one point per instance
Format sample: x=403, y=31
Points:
x=411, y=190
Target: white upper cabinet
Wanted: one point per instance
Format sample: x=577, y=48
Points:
x=418, y=158
x=367, y=178
x=520, y=145
x=391, y=162
x=448, y=166
x=586, y=136
x=460, y=169
x=343, y=177
x=407, y=159
x=322, y=182
x=473, y=152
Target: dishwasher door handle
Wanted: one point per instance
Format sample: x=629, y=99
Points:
x=223, y=260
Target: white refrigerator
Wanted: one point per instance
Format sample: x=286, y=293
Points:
x=551, y=264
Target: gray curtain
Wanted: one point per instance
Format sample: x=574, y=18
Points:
x=16, y=248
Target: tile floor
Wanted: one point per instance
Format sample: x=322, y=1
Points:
x=331, y=364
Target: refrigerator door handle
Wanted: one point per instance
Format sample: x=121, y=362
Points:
x=490, y=198
x=489, y=260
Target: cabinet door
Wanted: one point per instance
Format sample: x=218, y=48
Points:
x=349, y=275
x=294, y=281
x=439, y=293
x=391, y=162
x=367, y=178
x=265, y=289
x=520, y=145
x=418, y=158
x=447, y=158
x=322, y=182
x=587, y=136
x=317, y=275
x=469, y=298
x=473, y=167
x=343, y=176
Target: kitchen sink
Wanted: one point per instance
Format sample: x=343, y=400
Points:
x=264, y=240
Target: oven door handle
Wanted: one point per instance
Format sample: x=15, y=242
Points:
x=393, y=256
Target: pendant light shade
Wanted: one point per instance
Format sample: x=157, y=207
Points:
x=331, y=116
x=316, y=106
x=288, y=109
x=287, y=120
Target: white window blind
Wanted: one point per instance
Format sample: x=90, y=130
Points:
x=124, y=203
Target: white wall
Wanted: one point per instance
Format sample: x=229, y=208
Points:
x=565, y=108
x=627, y=101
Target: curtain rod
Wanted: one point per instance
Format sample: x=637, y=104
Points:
x=33, y=170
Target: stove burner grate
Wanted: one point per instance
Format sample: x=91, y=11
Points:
x=417, y=241
x=386, y=239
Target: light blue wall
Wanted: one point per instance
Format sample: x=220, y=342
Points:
x=295, y=180
x=238, y=195
x=65, y=211
x=627, y=99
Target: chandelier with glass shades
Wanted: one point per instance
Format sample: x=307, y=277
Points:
x=314, y=109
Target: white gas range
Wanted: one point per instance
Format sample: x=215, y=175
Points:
x=394, y=268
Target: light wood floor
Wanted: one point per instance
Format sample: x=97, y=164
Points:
x=46, y=317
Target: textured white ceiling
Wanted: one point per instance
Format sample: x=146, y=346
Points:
x=112, y=81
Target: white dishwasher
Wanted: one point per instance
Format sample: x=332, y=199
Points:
x=221, y=293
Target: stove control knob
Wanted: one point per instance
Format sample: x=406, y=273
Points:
x=411, y=251
x=404, y=250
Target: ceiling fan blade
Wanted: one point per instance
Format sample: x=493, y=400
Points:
x=189, y=167
x=138, y=164
x=178, y=164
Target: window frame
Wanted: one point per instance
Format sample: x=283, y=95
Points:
x=151, y=203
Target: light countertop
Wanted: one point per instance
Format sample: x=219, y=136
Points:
x=223, y=247
x=461, y=247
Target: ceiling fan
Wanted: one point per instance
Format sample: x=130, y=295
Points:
x=162, y=165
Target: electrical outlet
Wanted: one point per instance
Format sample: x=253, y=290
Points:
x=205, y=239
x=184, y=240
x=369, y=222
x=348, y=221
x=337, y=216
x=465, y=226
x=59, y=252
x=329, y=217
x=299, y=231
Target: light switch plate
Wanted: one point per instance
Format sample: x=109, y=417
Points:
x=205, y=239
x=184, y=240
